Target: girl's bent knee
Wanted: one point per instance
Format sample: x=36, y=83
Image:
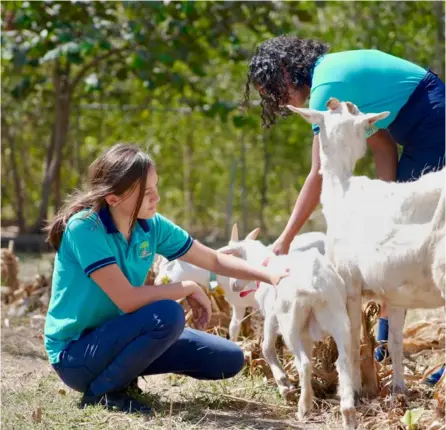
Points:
x=237, y=361
x=231, y=362
x=168, y=314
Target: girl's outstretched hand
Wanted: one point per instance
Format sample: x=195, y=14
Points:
x=201, y=308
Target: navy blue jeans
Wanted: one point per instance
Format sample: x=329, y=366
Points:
x=149, y=341
x=420, y=128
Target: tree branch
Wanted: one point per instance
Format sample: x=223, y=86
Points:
x=92, y=64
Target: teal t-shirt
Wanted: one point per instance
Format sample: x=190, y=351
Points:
x=89, y=242
x=372, y=80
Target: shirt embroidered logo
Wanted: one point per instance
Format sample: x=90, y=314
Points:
x=144, y=252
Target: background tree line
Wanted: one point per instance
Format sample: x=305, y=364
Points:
x=78, y=77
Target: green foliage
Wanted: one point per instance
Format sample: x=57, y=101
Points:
x=170, y=76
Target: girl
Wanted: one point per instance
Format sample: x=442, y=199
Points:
x=288, y=70
x=104, y=328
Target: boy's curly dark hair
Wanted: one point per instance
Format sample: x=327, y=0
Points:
x=266, y=70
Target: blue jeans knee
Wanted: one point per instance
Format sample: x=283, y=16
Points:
x=169, y=315
x=228, y=364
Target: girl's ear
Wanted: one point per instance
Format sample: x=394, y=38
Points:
x=112, y=200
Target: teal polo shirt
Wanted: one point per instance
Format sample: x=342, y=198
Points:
x=372, y=80
x=91, y=241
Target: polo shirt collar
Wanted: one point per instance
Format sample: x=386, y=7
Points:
x=110, y=227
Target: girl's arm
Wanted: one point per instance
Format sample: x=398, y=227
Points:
x=129, y=298
x=385, y=154
x=228, y=265
x=308, y=199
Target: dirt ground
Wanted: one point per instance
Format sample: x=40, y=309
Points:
x=32, y=396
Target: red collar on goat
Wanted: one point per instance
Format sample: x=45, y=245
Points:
x=245, y=293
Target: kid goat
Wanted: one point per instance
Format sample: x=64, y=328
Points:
x=177, y=271
x=308, y=304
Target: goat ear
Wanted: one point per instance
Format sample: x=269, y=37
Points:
x=230, y=250
x=371, y=118
x=234, y=233
x=310, y=115
x=352, y=108
x=253, y=235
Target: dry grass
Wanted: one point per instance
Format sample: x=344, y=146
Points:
x=32, y=397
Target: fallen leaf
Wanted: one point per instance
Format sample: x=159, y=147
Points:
x=36, y=416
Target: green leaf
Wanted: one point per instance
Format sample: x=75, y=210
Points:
x=239, y=121
x=86, y=46
x=70, y=48
x=411, y=418
x=121, y=74
x=19, y=57
x=75, y=58
x=21, y=90
x=166, y=59
x=66, y=37
x=105, y=44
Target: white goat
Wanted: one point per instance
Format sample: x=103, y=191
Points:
x=309, y=303
x=372, y=235
x=177, y=271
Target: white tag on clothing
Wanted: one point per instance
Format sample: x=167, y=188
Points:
x=370, y=130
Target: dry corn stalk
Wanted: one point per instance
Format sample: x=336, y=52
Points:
x=9, y=272
x=22, y=298
x=370, y=312
x=30, y=297
x=439, y=395
x=424, y=335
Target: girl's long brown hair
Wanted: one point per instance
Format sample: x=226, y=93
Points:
x=118, y=170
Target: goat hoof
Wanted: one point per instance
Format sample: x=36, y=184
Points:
x=303, y=409
x=286, y=390
x=399, y=401
x=399, y=390
x=349, y=418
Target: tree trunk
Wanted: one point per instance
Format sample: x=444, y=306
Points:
x=58, y=140
x=264, y=186
x=439, y=61
x=77, y=149
x=19, y=206
x=229, y=204
x=187, y=169
x=56, y=189
x=244, y=190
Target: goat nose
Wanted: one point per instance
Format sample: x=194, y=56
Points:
x=332, y=103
